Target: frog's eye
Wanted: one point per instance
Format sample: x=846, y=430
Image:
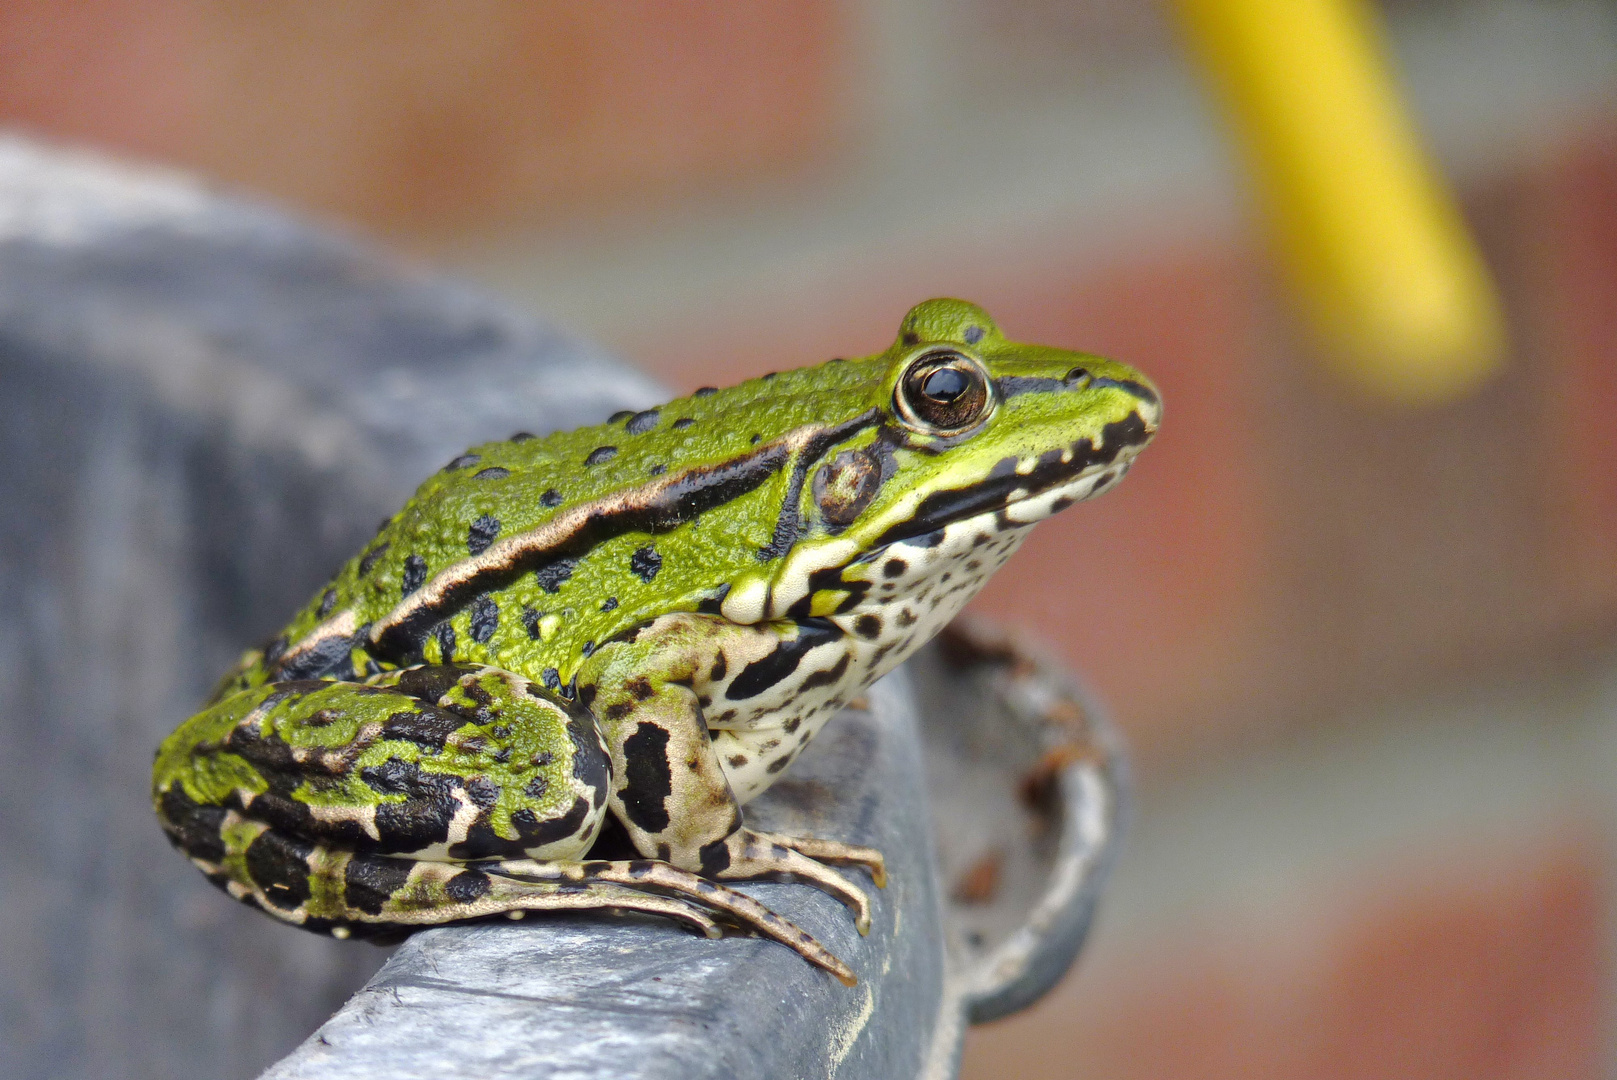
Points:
x=943, y=393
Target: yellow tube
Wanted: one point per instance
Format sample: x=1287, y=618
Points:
x=1366, y=229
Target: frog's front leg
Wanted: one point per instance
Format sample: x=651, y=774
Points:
x=670, y=789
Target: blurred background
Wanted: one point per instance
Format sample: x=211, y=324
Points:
x=1365, y=648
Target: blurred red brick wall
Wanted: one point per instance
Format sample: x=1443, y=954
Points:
x=423, y=117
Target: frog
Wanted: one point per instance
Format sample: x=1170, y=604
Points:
x=635, y=628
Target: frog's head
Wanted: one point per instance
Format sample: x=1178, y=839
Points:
x=973, y=424
x=960, y=431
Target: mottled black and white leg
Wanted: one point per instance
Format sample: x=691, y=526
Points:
x=669, y=787
x=426, y=796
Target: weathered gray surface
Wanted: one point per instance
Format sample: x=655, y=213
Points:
x=207, y=407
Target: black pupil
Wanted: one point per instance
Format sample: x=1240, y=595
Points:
x=944, y=384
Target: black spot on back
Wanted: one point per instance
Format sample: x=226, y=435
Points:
x=974, y=334
x=645, y=563
x=465, y=461
x=530, y=623
x=601, y=454
x=415, y=574
x=485, y=618
x=493, y=472
x=620, y=416
x=642, y=422
x=705, y=391
x=328, y=600
x=609, y=604
x=522, y=436
x=682, y=423
x=482, y=534
x=551, y=498
x=370, y=557
x=446, y=640
x=551, y=576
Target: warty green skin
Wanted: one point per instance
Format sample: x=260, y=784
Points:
x=646, y=619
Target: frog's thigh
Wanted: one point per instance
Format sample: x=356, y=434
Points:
x=532, y=764
x=446, y=763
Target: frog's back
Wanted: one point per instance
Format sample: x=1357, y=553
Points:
x=541, y=548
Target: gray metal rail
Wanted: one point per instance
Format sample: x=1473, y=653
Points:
x=207, y=406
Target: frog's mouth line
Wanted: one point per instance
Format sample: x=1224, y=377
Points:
x=1005, y=485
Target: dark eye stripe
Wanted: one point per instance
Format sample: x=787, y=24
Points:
x=1077, y=379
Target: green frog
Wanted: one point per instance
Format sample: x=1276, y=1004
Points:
x=642, y=622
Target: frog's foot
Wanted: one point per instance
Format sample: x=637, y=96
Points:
x=745, y=855
x=835, y=852
x=652, y=881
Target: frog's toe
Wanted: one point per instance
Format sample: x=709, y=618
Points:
x=754, y=855
x=836, y=852
x=606, y=895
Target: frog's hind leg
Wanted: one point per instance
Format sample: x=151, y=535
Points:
x=346, y=894
x=387, y=893
x=403, y=893
x=676, y=886
x=330, y=890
